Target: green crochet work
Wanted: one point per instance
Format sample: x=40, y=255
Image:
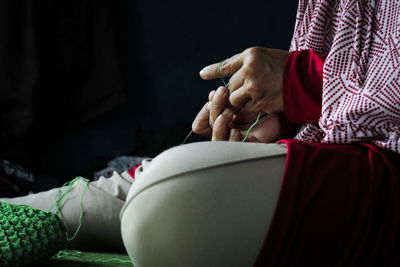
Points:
x=28, y=234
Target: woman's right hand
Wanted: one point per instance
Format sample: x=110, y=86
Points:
x=220, y=121
x=256, y=82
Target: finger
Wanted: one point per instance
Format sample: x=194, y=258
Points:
x=228, y=104
x=243, y=117
x=211, y=95
x=218, y=104
x=221, y=126
x=236, y=81
x=239, y=98
x=200, y=124
x=235, y=136
x=227, y=68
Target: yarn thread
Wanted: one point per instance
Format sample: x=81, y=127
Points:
x=76, y=253
x=227, y=87
x=61, y=198
x=57, y=200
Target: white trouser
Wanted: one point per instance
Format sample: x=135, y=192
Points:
x=102, y=203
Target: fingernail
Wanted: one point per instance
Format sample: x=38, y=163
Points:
x=221, y=90
x=203, y=72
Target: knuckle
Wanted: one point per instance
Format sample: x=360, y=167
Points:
x=252, y=63
x=251, y=67
x=253, y=51
x=235, y=101
x=224, y=66
x=215, y=104
x=246, y=70
x=251, y=87
x=225, y=63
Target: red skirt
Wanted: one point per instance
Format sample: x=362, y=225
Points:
x=339, y=205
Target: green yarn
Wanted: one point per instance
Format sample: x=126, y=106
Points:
x=220, y=76
x=60, y=197
x=251, y=127
x=227, y=87
x=57, y=200
x=67, y=253
x=28, y=234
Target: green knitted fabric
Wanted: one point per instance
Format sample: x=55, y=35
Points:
x=28, y=234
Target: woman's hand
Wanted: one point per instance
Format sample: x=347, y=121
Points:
x=220, y=121
x=256, y=82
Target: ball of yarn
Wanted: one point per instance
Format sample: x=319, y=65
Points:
x=28, y=234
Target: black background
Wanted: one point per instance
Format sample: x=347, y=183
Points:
x=98, y=79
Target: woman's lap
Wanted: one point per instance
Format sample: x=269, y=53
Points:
x=203, y=204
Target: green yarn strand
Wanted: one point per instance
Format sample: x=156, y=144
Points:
x=227, y=87
x=78, y=254
x=251, y=127
x=220, y=76
x=57, y=203
x=58, y=199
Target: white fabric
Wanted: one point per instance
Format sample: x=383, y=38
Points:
x=102, y=203
x=361, y=80
x=203, y=204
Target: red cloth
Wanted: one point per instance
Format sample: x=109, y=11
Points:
x=338, y=206
x=287, y=128
x=302, y=86
x=302, y=90
x=132, y=171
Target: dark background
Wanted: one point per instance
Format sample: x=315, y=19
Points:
x=82, y=82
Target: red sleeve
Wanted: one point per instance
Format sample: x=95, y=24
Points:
x=302, y=86
x=287, y=128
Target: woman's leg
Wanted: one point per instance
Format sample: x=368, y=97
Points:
x=102, y=202
x=203, y=204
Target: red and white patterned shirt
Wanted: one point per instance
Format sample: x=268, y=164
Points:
x=361, y=73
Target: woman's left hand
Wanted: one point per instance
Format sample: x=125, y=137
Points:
x=222, y=122
x=256, y=82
